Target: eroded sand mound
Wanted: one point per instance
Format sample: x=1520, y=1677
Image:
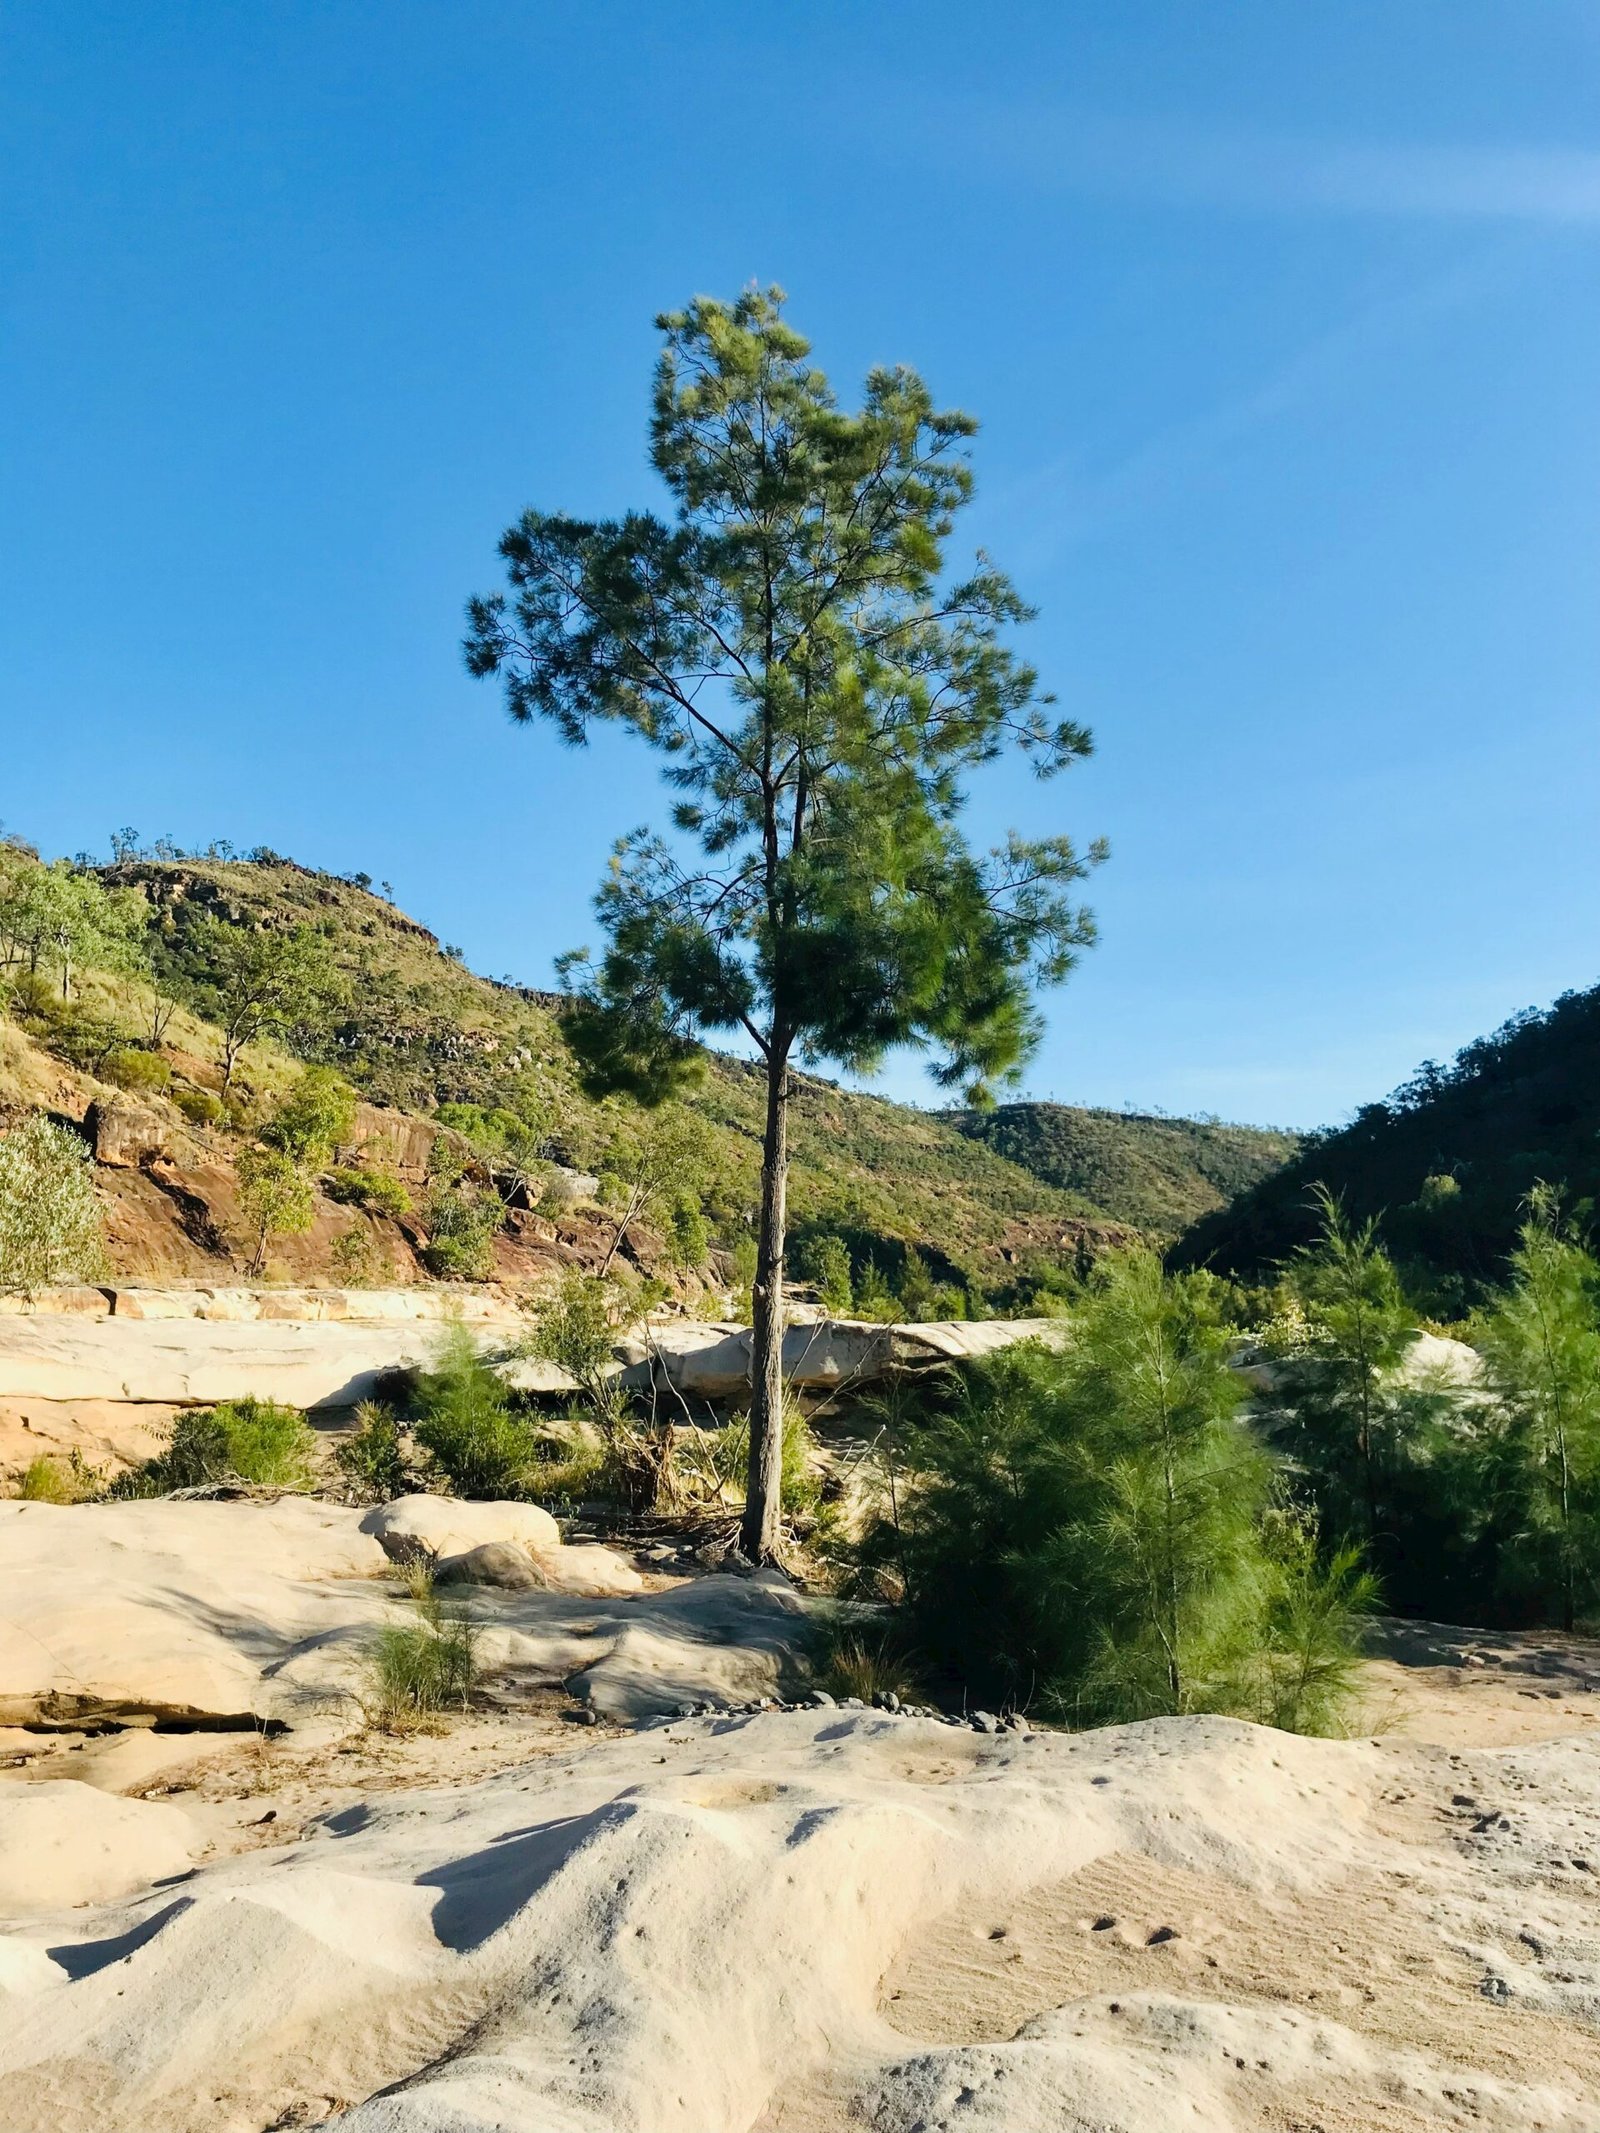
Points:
x=815, y=1921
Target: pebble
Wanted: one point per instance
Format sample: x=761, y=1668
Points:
x=985, y=1722
x=822, y=1700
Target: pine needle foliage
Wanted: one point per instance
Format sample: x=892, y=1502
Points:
x=819, y=686
x=1541, y=1341
x=1094, y=1531
x=467, y=1422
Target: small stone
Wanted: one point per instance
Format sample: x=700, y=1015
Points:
x=852, y=1703
x=1160, y=1936
x=686, y=1710
x=588, y=1716
x=891, y=1701
x=985, y=1722
x=822, y=1700
x=1016, y=1723
x=1495, y=1988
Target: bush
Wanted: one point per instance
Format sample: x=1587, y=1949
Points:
x=142, y=1073
x=312, y=1119
x=33, y=1000
x=373, y=1457
x=467, y=1424
x=824, y=1260
x=462, y=1225
x=1097, y=1528
x=255, y=1441
x=576, y=1329
x=379, y=1192
x=199, y=1106
x=422, y=1668
x=358, y=1258
x=49, y=1479
x=276, y=1196
x=50, y=1223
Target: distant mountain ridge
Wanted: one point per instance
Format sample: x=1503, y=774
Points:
x=1159, y=1173
x=1444, y=1163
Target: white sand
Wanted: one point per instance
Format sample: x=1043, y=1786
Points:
x=805, y=1922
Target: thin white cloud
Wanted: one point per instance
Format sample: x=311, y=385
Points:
x=1065, y=500
x=1142, y=159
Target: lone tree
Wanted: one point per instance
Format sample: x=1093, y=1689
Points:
x=818, y=686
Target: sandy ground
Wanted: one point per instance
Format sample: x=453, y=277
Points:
x=566, y=1916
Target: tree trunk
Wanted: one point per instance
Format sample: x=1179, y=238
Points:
x=764, y=1488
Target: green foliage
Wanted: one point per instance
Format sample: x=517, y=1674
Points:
x=1092, y=1528
x=820, y=687
x=380, y=1192
x=824, y=1261
x=313, y=1119
x=467, y=1423
x=54, y=917
x=800, y=1493
x=1357, y=1330
x=858, y=1658
x=358, y=1257
x=510, y=1142
x=50, y=1222
x=199, y=1106
x=1541, y=1341
x=276, y=1196
x=255, y=982
x=140, y=1071
x=257, y=1441
x=1315, y=1606
x=577, y=1330
x=462, y=1222
x=50, y=1479
x=688, y=1235
x=874, y=1297
x=652, y=1168
x=420, y=1669
x=1157, y=1173
x=1512, y=1108
x=372, y=1458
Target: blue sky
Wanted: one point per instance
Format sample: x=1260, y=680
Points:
x=1283, y=324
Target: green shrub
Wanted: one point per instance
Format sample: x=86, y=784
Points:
x=50, y=1222
x=33, y=1000
x=462, y=1225
x=823, y=1259
x=576, y=1329
x=142, y=1073
x=248, y=1440
x=51, y=1479
x=467, y=1423
x=373, y=1457
x=199, y=1106
x=276, y=1196
x=1096, y=1528
x=380, y=1192
x=312, y=1119
x=420, y=1669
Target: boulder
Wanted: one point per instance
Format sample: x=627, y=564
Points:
x=499, y=1563
x=124, y=1134
x=444, y=1527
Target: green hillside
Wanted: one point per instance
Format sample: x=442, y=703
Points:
x=1444, y=1162
x=411, y=1027
x=1158, y=1173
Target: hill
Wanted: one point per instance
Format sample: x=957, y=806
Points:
x=1444, y=1162
x=1159, y=1174
x=983, y=1198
